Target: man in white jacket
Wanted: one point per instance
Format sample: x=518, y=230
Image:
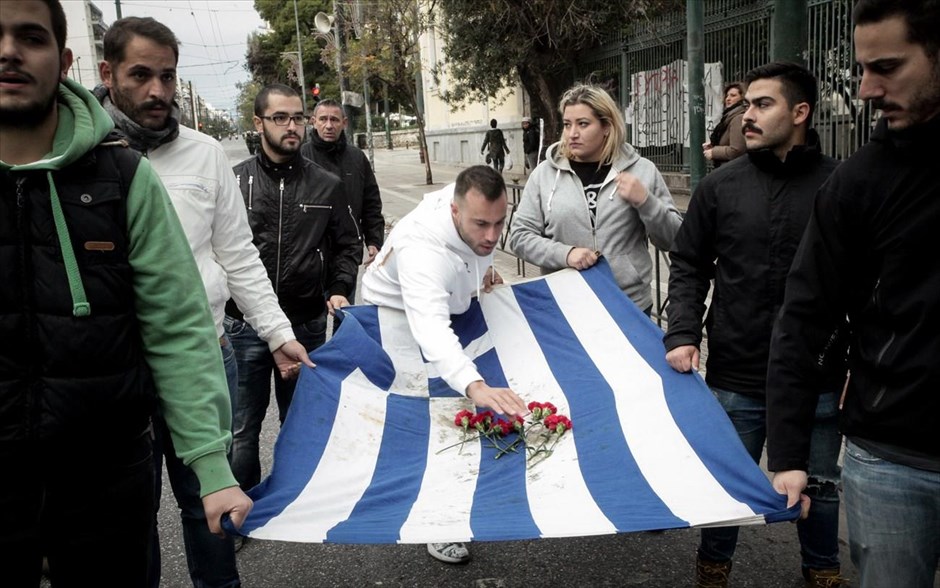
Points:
x=436, y=259
x=139, y=76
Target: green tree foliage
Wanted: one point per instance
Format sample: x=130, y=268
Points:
x=381, y=45
x=266, y=58
x=246, y=103
x=490, y=44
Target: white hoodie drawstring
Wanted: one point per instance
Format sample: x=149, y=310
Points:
x=476, y=265
x=554, y=185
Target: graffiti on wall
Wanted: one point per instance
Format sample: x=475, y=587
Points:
x=658, y=113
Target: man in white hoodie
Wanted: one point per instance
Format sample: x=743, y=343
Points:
x=436, y=259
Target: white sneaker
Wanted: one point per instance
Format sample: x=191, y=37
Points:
x=452, y=553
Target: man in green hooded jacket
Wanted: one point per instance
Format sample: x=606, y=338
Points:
x=103, y=316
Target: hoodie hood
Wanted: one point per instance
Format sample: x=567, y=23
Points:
x=623, y=157
x=83, y=124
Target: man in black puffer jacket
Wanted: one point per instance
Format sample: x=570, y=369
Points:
x=742, y=230
x=304, y=230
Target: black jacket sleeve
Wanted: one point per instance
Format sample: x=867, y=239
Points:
x=691, y=269
x=813, y=309
x=373, y=223
x=346, y=245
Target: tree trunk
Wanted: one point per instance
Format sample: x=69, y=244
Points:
x=422, y=138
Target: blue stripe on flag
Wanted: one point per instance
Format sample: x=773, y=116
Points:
x=691, y=404
x=387, y=501
x=608, y=467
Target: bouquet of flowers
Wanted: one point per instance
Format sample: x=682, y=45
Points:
x=538, y=433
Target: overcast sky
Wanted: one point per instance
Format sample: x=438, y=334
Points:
x=212, y=36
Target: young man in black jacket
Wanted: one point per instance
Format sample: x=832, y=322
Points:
x=328, y=146
x=870, y=253
x=742, y=229
x=300, y=220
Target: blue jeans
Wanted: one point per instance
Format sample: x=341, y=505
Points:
x=819, y=532
x=893, y=515
x=211, y=559
x=255, y=367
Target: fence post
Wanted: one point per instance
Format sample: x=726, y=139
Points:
x=695, y=25
x=788, y=31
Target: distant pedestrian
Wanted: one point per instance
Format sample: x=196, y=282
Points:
x=495, y=148
x=530, y=143
x=727, y=139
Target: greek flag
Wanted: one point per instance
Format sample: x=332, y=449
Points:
x=359, y=457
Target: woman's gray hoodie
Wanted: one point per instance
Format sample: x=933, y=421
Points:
x=553, y=218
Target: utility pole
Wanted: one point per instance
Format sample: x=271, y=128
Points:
x=388, y=124
x=192, y=101
x=300, y=60
x=788, y=31
x=117, y=8
x=695, y=23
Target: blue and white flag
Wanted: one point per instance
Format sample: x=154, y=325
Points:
x=358, y=459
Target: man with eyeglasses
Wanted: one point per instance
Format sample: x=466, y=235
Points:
x=309, y=243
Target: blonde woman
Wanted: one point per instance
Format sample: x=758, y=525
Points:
x=595, y=195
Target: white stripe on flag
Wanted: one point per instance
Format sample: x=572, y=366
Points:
x=344, y=471
x=527, y=371
x=473, y=350
x=663, y=454
x=411, y=375
x=449, y=478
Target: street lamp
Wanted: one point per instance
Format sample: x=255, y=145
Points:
x=328, y=30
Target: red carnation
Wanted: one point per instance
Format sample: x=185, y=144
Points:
x=462, y=419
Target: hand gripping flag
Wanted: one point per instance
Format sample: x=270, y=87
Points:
x=358, y=459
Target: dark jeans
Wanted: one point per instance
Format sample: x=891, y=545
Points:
x=819, y=532
x=255, y=368
x=211, y=559
x=87, y=507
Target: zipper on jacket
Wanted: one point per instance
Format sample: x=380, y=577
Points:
x=251, y=180
x=305, y=207
x=22, y=223
x=280, y=226
x=355, y=222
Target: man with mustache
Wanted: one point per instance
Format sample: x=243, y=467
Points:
x=742, y=230
x=310, y=245
x=139, y=84
x=104, y=318
x=870, y=253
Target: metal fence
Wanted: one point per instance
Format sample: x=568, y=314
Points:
x=644, y=71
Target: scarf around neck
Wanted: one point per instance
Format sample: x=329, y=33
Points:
x=140, y=138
